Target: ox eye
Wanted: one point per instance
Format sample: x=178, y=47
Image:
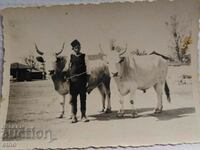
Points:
x=40, y=59
x=121, y=59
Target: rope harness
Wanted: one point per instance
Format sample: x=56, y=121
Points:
x=76, y=75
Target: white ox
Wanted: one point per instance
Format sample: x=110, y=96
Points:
x=138, y=72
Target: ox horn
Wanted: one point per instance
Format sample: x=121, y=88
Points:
x=38, y=51
x=61, y=50
x=101, y=50
x=112, y=44
x=124, y=50
x=126, y=46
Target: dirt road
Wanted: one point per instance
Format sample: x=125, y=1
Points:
x=36, y=104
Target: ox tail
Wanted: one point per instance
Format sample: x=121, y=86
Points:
x=167, y=92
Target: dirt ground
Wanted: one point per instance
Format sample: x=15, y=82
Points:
x=36, y=104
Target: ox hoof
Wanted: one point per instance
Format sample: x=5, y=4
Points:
x=157, y=110
x=134, y=114
x=108, y=110
x=120, y=113
x=61, y=116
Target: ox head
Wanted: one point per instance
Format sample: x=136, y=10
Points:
x=53, y=61
x=115, y=58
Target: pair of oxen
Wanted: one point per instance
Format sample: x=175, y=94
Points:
x=130, y=72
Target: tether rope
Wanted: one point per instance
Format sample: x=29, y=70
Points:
x=76, y=75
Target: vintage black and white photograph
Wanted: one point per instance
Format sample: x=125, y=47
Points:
x=110, y=74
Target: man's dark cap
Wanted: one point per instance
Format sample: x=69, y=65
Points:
x=75, y=43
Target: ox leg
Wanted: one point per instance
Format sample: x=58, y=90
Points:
x=132, y=97
x=63, y=107
x=103, y=95
x=108, y=110
x=158, y=88
x=70, y=105
x=121, y=110
x=108, y=94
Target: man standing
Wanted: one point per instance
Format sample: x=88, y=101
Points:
x=78, y=81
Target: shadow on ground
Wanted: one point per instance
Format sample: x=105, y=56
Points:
x=164, y=116
x=174, y=113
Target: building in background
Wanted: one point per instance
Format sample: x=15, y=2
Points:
x=21, y=72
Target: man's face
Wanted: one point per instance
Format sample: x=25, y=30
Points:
x=76, y=49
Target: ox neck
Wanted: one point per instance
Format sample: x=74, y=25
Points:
x=126, y=70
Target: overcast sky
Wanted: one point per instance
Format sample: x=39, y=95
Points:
x=141, y=25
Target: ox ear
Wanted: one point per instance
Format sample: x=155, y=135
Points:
x=40, y=59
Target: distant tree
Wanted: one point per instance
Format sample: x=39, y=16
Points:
x=185, y=44
x=121, y=48
x=34, y=64
x=181, y=38
x=139, y=52
x=31, y=61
